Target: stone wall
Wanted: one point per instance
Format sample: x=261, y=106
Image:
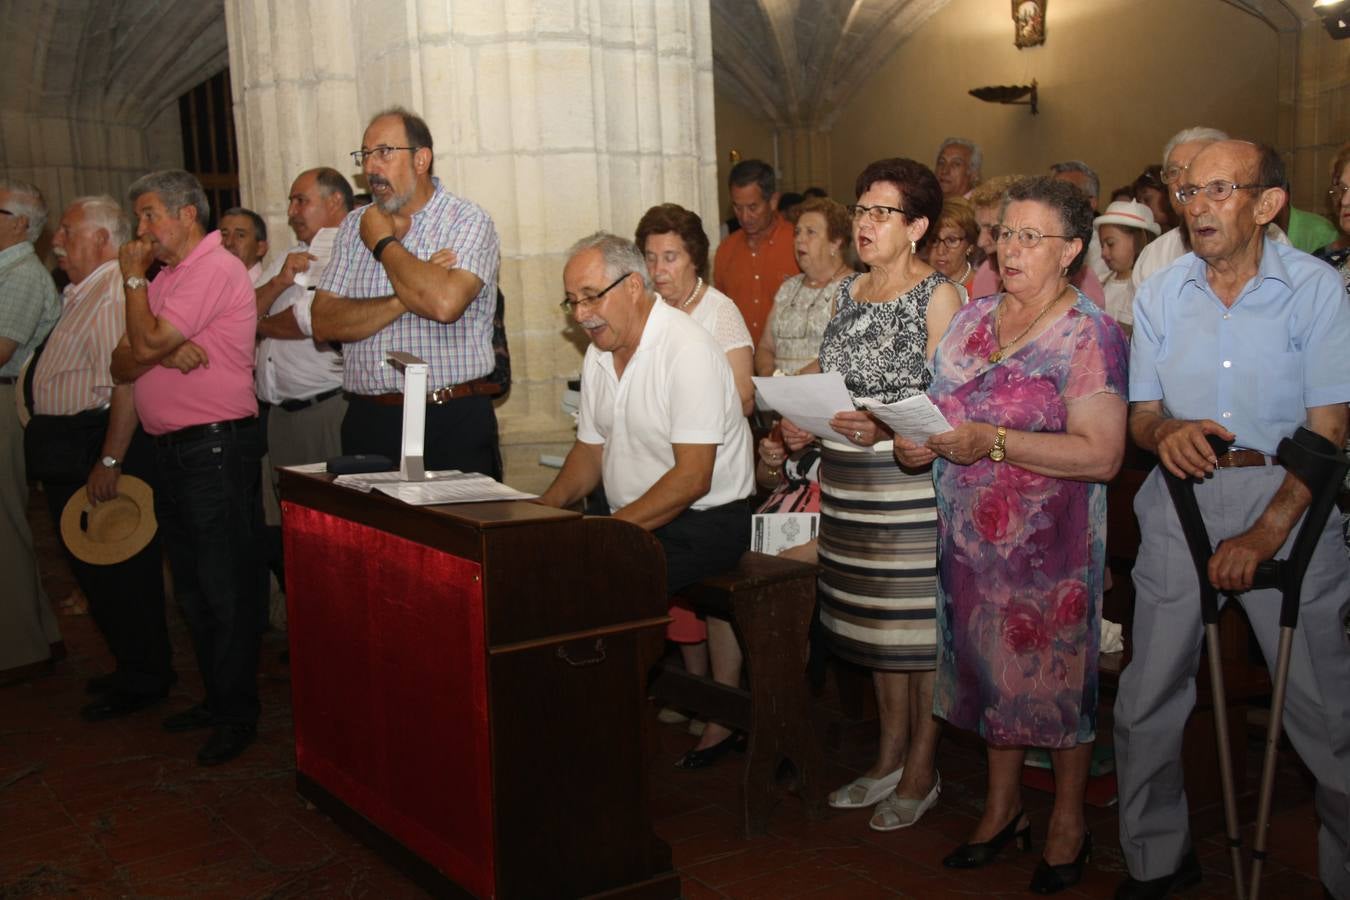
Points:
x=558, y=118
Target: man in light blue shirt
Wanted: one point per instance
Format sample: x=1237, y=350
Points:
x=1245, y=339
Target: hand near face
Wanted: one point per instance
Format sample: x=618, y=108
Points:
x=135, y=257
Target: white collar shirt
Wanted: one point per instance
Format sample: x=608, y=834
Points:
x=676, y=389
x=295, y=369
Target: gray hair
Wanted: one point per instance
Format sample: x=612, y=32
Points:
x=1082, y=168
x=175, y=189
x=976, y=157
x=102, y=211
x=621, y=256
x=1189, y=135
x=26, y=200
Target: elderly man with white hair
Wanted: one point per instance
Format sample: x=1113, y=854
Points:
x=958, y=166
x=84, y=435
x=28, y=309
x=1184, y=146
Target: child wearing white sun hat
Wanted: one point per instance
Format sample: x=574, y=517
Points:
x=1123, y=230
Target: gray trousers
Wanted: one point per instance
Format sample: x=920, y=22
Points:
x=28, y=626
x=308, y=435
x=1157, y=689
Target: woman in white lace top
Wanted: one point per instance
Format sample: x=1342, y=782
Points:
x=672, y=239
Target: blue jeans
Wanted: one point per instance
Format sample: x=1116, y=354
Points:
x=209, y=508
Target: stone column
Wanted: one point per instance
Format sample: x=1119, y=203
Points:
x=558, y=118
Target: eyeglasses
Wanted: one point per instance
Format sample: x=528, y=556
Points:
x=1027, y=238
x=1172, y=173
x=951, y=243
x=381, y=153
x=7, y=212
x=877, y=214
x=587, y=302
x=1338, y=191
x=1215, y=191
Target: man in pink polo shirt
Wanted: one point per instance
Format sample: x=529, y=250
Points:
x=189, y=350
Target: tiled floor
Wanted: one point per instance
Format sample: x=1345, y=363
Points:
x=119, y=810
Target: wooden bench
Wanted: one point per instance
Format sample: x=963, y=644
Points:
x=769, y=602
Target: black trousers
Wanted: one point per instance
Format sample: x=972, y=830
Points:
x=126, y=599
x=700, y=543
x=460, y=434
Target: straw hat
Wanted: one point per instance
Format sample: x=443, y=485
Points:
x=112, y=531
x=1130, y=214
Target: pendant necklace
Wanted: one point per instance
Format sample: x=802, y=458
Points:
x=692, y=294
x=997, y=355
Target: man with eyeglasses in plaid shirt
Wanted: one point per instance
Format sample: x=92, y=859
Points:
x=382, y=293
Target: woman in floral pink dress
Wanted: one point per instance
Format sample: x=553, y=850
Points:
x=1033, y=382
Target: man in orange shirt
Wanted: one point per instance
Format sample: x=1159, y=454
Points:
x=754, y=261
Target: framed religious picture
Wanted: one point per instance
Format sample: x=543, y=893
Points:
x=1028, y=22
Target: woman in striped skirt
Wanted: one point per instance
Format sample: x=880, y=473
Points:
x=878, y=528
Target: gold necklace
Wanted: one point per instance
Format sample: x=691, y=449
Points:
x=997, y=355
x=692, y=294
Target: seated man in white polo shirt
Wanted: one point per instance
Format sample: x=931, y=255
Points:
x=660, y=427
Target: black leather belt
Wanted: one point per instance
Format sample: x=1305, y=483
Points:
x=297, y=405
x=193, y=432
x=479, y=387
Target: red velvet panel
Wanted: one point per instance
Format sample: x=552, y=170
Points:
x=389, y=685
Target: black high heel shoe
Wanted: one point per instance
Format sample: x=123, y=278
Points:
x=701, y=759
x=982, y=853
x=1049, y=879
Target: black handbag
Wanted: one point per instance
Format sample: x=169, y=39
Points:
x=64, y=448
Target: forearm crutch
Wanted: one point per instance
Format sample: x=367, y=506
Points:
x=1320, y=465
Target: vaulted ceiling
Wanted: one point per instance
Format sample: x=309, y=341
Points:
x=794, y=61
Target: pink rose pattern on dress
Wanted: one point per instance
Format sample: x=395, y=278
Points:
x=1021, y=555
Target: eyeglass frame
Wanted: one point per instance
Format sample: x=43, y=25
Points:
x=951, y=243
x=1233, y=187
x=1168, y=178
x=571, y=306
x=381, y=153
x=1338, y=190
x=856, y=211
x=1005, y=236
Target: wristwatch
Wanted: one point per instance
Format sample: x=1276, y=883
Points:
x=996, y=452
x=110, y=462
x=135, y=282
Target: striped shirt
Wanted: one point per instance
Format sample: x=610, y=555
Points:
x=456, y=352
x=29, y=304
x=73, y=372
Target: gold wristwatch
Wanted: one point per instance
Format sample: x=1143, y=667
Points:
x=997, y=452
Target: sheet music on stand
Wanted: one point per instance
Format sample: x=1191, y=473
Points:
x=447, y=486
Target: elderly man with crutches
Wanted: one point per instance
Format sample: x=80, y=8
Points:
x=1244, y=340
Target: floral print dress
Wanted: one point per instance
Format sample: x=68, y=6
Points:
x=1021, y=555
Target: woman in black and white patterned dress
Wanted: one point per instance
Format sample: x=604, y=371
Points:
x=878, y=529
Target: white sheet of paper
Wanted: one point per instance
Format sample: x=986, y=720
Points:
x=308, y=468
x=322, y=247
x=810, y=401
x=447, y=486
x=915, y=418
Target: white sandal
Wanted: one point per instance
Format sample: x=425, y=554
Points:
x=897, y=812
x=864, y=791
